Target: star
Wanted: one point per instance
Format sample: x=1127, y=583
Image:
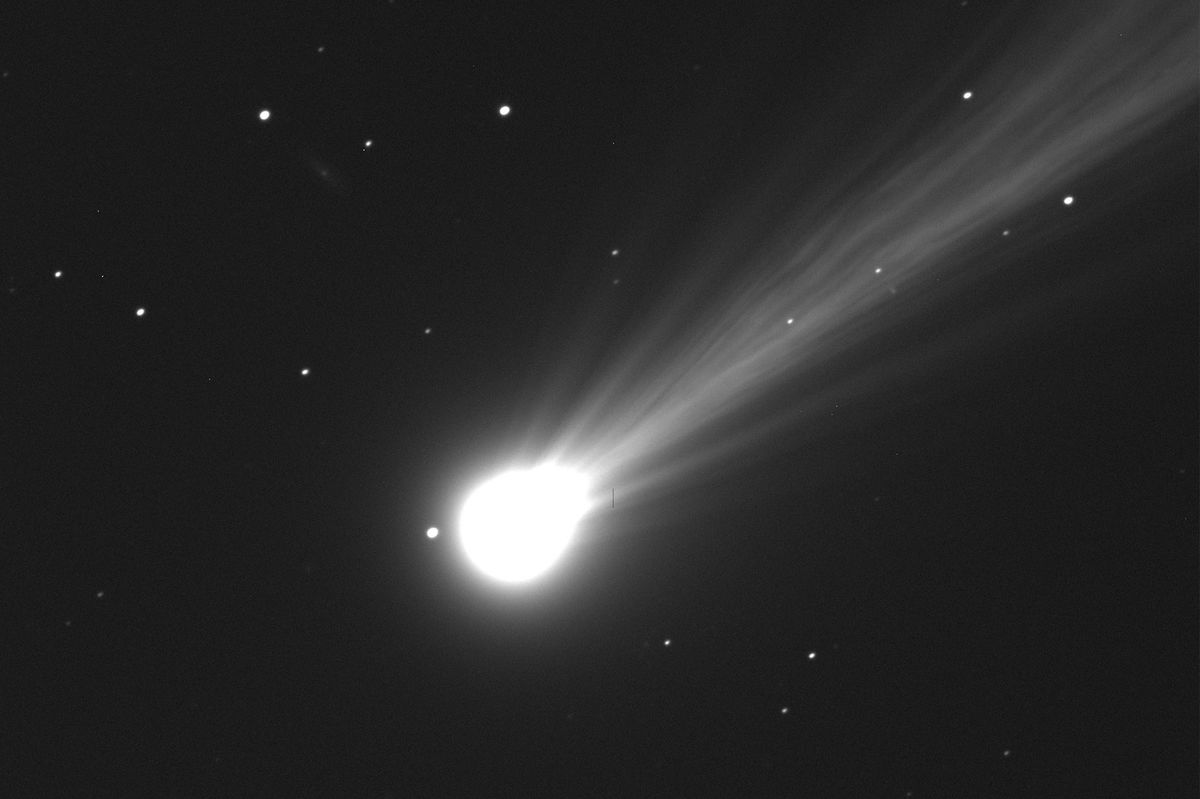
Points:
x=58, y=274
x=812, y=655
x=790, y=320
x=368, y=143
x=99, y=595
x=967, y=95
x=305, y=372
x=783, y=711
x=264, y=114
x=615, y=253
x=1068, y=200
x=140, y=312
x=432, y=532
x=504, y=111
x=428, y=330
x=667, y=642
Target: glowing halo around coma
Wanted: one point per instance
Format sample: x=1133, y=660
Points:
x=517, y=525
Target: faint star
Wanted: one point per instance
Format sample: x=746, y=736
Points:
x=432, y=532
x=264, y=114
x=428, y=330
x=615, y=253
x=1006, y=232
x=504, y=111
x=367, y=144
x=1007, y=752
x=783, y=711
x=667, y=642
x=99, y=595
x=304, y=372
x=790, y=320
x=812, y=655
x=58, y=274
x=878, y=269
x=321, y=49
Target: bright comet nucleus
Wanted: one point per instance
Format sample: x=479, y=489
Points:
x=514, y=527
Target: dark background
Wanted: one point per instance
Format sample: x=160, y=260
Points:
x=216, y=580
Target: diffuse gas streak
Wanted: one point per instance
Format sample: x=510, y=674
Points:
x=1082, y=85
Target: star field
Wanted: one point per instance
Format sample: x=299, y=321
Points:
x=891, y=392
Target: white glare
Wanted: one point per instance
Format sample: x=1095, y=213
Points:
x=517, y=525
x=140, y=311
x=505, y=111
x=264, y=114
x=432, y=532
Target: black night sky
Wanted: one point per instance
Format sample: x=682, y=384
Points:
x=248, y=362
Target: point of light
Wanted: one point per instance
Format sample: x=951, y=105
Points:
x=517, y=525
x=615, y=253
x=304, y=372
x=504, y=111
x=783, y=711
x=58, y=274
x=667, y=642
x=967, y=95
x=264, y=114
x=878, y=269
x=140, y=312
x=1068, y=200
x=812, y=655
x=428, y=330
x=790, y=320
x=432, y=532
x=368, y=143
